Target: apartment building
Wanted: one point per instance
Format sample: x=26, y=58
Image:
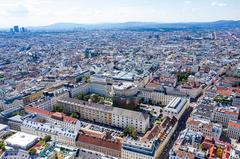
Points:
x=233, y=130
x=139, y=149
x=206, y=127
x=106, y=114
x=123, y=118
x=57, y=118
x=186, y=143
x=57, y=133
x=155, y=96
x=101, y=88
x=224, y=115
x=90, y=111
x=102, y=142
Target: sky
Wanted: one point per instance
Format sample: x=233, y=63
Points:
x=45, y=12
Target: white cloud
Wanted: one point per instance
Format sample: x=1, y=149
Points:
x=187, y=2
x=218, y=4
x=44, y=12
x=18, y=11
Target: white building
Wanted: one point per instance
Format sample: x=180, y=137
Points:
x=235, y=151
x=57, y=118
x=224, y=115
x=4, y=127
x=156, y=97
x=126, y=89
x=57, y=133
x=176, y=107
x=93, y=87
x=124, y=118
x=133, y=149
x=233, y=130
x=22, y=140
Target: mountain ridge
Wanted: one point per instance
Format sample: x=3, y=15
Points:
x=221, y=24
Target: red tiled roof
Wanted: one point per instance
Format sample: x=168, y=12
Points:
x=154, y=132
x=234, y=124
x=56, y=115
x=183, y=154
x=224, y=92
x=228, y=112
x=212, y=144
x=157, y=81
x=36, y=110
x=69, y=119
x=191, y=121
x=227, y=91
x=102, y=142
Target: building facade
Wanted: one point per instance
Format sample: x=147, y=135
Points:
x=223, y=116
x=233, y=130
x=139, y=150
x=59, y=134
x=106, y=114
x=208, y=128
x=176, y=107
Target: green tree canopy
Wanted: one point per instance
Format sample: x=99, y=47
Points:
x=57, y=109
x=81, y=96
x=47, y=138
x=75, y=115
x=131, y=131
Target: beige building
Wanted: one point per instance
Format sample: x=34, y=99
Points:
x=233, y=130
x=106, y=114
x=102, y=142
x=206, y=127
x=123, y=118
x=223, y=115
x=90, y=111
x=156, y=97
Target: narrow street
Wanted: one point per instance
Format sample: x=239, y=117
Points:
x=181, y=126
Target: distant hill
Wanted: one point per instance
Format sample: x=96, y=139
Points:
x=142, y=26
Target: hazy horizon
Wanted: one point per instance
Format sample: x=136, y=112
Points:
x=47, y=12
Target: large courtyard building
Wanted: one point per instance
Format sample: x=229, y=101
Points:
x=107, y=114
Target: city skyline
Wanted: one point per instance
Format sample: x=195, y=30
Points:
x=120, y=79
x=40, y=13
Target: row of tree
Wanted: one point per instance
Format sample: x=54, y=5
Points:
x=94, y=98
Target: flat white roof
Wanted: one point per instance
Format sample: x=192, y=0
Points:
x=21, y=139
x=3, y=126
x=176, y=104
x=124, y=85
